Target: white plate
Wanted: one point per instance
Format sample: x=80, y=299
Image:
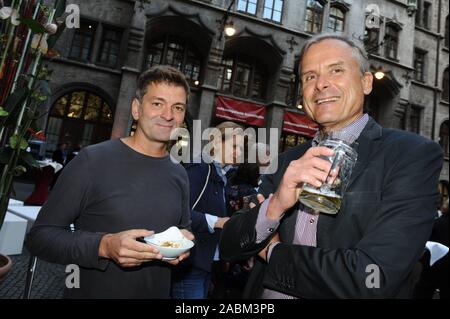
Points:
x=172, y=234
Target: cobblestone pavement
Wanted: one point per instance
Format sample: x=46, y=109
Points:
x=48, y=280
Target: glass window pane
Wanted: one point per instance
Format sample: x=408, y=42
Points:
x=276, y=16
x=154, y=57
x=443, y=137
x=75, y=52
x=196, y=72
x=82, y=41
x=85, y=54
x=113, y=49
x=52, y=132
x=110, y=47
x=77, y=40
x=228, y=73
x=59, y=107
x=278, y=5
x=257, y=86
x=91, y=114
x=268, y=4
x=445, y=84
x=267, y=13
x=242, y=5
x=94, y=101
x=87, y=134
x=106, y=114
x=76, y=104
x=113, y=59
x=331, y=23
x=240, y=85
x=251, y=8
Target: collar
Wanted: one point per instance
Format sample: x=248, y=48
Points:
x=350, y=133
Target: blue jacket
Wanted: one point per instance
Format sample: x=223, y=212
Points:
x=212, y=202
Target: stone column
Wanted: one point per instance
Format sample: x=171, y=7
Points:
x=97, y=43
x=210, y=83
x=130, y=72
x=274, y=119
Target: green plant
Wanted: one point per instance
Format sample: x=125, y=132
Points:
x=29, y=36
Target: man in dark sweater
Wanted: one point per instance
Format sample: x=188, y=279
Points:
x=117, y=191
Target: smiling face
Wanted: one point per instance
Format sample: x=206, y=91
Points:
x=161, y=110
x=332, y=84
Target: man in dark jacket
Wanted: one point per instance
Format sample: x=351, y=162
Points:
x=370, y=247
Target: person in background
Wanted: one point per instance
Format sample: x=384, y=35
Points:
x=75, y=151
x=60, y=154
x=210, y=210
x=246, y=180
x=435, y=277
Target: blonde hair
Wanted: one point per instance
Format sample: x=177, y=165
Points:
x=222, y=127
x=227, y=125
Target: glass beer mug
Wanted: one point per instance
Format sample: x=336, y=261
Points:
x=327, y=198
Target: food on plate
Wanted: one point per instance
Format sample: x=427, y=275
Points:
x=171, y=244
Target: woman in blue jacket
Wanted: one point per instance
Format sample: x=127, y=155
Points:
x=210, y=210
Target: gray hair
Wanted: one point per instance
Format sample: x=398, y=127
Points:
x=358, y=52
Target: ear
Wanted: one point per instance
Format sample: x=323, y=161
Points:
x=135, y=109
x=367, y=81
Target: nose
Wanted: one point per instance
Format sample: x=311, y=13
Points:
x=167, y=113
x=322, y=83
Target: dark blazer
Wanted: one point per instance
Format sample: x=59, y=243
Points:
x=212, y=203
x=385, y=219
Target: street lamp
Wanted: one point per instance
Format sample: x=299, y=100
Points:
x=412, y=7
x=229, y=29
x=379, y=75
x=225, y=25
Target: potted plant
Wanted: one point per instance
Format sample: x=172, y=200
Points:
x=29, y=32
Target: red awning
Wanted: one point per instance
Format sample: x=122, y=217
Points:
x=239, y=111
x=299, y=124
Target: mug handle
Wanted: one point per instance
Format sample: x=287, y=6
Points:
x=336, y=162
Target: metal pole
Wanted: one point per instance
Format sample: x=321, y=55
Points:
x=32, y=263
x=33, y=73
x=22, y=58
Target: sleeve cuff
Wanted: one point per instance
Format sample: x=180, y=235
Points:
x=264, y=226
x=269, y=252
x=99, y=262
x=211, y=220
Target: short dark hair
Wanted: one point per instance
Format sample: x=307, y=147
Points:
x=161, y=74
x=358, y=51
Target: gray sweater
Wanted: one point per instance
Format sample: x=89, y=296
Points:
x=109, y=188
